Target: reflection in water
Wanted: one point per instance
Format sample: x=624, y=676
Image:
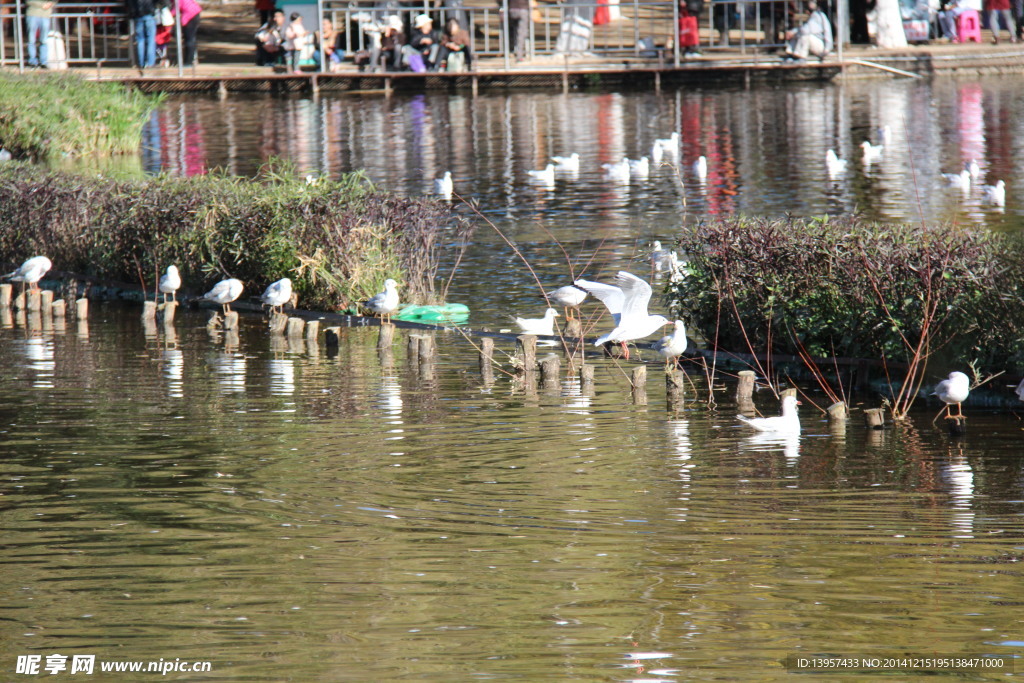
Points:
x=229, y=369
x=767, y=442
x=39, y=353
x=174, y=368
x=282, y=376
x=960, y=477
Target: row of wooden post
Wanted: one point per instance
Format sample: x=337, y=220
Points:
x=40, y=301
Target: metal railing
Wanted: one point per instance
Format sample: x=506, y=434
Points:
x=93, y=33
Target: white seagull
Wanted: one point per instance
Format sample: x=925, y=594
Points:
x=618, y=172
x=834, y=164
x=169, y=283
x=570, y=163
x=567, y=297
x=444, y=186
x=973, y=168
x=787, y=423
x=700, y=168
x=385, y=303
x=545, y=325
x=961, y=180
x=995, y=194
x=872, y=153
x=629, y=302
x=641, y=167
x=954, y=389
x=665, y=146
x=31, y=271
x=224, y=292
x=545, y=176
x=660, y=258
x=278, y=294
x=672, y=346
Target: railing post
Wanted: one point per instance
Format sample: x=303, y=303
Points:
x=177, y=32
x=320, y=27
x=505, y=34
x=18, y=38
x=675, y=34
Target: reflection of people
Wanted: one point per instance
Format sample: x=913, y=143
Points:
x=456, y=45
x=813, y=37
x=518, y=27
x=269, y=41
x=39, y=12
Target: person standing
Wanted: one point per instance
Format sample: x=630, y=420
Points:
x=518, y=26
x=190, y=11
x=39, y=12
x=995, y=9
x=143, y=14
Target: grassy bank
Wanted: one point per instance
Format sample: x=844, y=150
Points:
x=848, y=288
x=49, y=116
x=337, y=240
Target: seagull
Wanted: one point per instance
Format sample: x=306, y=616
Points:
x=277, y=294
x=224, y=292
x=961, y=180
x=5, y=155
x=570, y=163
x=672, y=346
x=629, y=301
x=546, y=176
x=787, y=423
x=700, y=168
x=995, y=194
x=640, y=167
x=676, y=267
x=169, y=283
x=545, y=325
x=312, y=180
x=444, y=186
x=618, y=171
x=31, y=272
x=835, y=165
x=952, y=390
x=872, y=153
x=386, y=302
x=660, y=258
x=973, y=168
x=669, y=146
x=567, y=297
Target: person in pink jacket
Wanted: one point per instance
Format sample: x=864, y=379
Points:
x=190, y=10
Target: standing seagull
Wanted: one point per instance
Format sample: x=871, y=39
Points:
x=278, y=294
x=31, y=271
x=384, y=303
x=568, y=297
x=224, y=292
x=631, y=299
x=954, y=389
x=545, y=325
x=672, y=346
x=169, y=283
x=787, y=423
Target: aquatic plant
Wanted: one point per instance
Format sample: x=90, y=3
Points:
x=338, y=240
x=51, y=115
x=845, y=287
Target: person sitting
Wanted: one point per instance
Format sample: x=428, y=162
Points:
x=947, y=18
x=295, y=38
x=813, y=37
x=425, y=41
x=388, y=55
x=270, y=41
x=456, y=46
x=333, y=44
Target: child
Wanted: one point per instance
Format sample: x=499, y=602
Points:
x=295, y=37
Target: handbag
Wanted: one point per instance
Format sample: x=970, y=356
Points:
x=164, y=17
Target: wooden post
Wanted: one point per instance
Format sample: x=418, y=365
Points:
x=549, y=371
x=19, y=301
x=278, y=323
x=956, y=425
x=412, y=351
x=168, y=311
x=5, y=295
x=788, y=392
x=295, y=327
x=6, y=317
x=639, y=382
x=231, y=320
x=312, y=330
x=385, y=336
x=586, y=378
x=82, y=328
x=46, y=301
x=426, y=350
x=674, y=387
x=149, y=310
x=487, y=359
x=526, y=351
x=332, y=337
x=34, y=301
x=58, y=308
x=573, y=328
x=874, y=418
x=837, y=412
x=82, y=308
x=745, y=389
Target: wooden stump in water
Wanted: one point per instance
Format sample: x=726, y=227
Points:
x=412, y=351
x=526, y=352
x=573, y=328
x=312, y=331
x=745, y=388
x=837, y=412
x=332, y=337
x=487, y=360
x=587, y=378
x=426, y=349
x=674, y=387
x=82, y=308
x=278, y=323
x=59, y=308
x=874, y=418
x=295, y=327
x=549, y=371
x=34, y=301
x=638, y=380
x=385, y=336
x=149, y=310
x=956, y=425
x=46, y=302
x=788, y=392
x=5, y=295
x=168, y=310
x=231, y=320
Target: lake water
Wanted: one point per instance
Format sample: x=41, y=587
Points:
x=289, y=512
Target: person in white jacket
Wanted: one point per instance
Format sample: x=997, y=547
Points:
x=814, y=37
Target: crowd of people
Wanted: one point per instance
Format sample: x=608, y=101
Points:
x=153, y=23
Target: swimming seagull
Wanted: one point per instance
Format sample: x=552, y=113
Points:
x=961, y=180
x=618, y=172
x=545, y=176
x=545, y=325
x=700, y=168
x=277, y=294
x=973, y=168
x=787, y=423
x=444, y=186
x=31, y=272
x=872, y=153
x=224, y=292
x=385, y=303
x=834, y=164
x=169, y=283
x=630, y=304
x=570, y=163
x=567, y=297
x=669, y=146
x=954, y=389
x=995, y=194
x=660, y=258
x=640, y=167
x=672, y=346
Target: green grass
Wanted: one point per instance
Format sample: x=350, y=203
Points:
x=52, y=116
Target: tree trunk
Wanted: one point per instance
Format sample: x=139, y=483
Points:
x=889, y=24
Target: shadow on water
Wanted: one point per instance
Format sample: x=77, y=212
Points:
x=286, y=512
